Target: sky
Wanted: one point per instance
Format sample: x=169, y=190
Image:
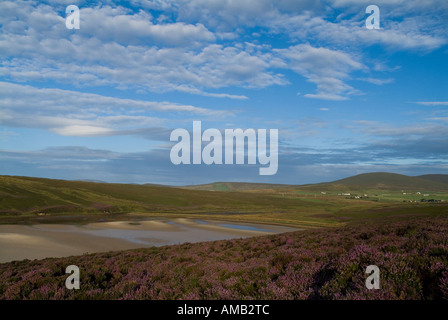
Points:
x=101, y=101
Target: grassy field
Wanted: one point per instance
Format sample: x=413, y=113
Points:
x=30, y=200
x=378, y=223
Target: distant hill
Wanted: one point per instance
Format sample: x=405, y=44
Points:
x=27, y=195
x=22, y=198
x=158, y=185
x=235, y=186
x=91, y=180
x=442, y=178
x=366, y=181
x=382, y=181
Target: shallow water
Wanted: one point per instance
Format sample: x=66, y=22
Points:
x=18, y=242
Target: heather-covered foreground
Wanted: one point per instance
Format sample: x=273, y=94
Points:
x=325, y=264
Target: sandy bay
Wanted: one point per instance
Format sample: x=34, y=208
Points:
x=38, y=241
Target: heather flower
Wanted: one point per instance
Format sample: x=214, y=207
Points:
x=317, y=264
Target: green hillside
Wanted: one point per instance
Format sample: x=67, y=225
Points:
x=380, y=181
x=35, y=197
x=29, y=195
x=26, y=199
x=391, y=181
x=235, y=186
x=441, y=178
x=362, y=182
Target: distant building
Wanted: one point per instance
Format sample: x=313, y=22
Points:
x=430, y=200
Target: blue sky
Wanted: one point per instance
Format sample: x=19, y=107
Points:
x=100, y=102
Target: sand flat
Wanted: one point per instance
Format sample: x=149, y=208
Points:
x=140, y=225
x=216, y=227
x=18, y=242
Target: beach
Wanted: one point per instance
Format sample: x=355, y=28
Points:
x=19, y=242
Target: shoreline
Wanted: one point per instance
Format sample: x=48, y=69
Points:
x=82, y=219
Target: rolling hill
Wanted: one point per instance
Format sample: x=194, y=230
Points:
x=27, y=199
x=26, y=195
x=381, y=181
x=362, y=182
x=442, y=178
x=236, y=186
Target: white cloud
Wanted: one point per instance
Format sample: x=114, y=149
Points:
x=58, y=99
x=443, y=119
x=122, y=26
x=72, y=113
x=409, y=131
x=377, y=81
x=382, y=67
x=326, y=68
x=82, y=131
x=433, y=103
x=116, y=47
x=153, y=69
x=201, y=46
x=414, y=25
x=326, y=96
